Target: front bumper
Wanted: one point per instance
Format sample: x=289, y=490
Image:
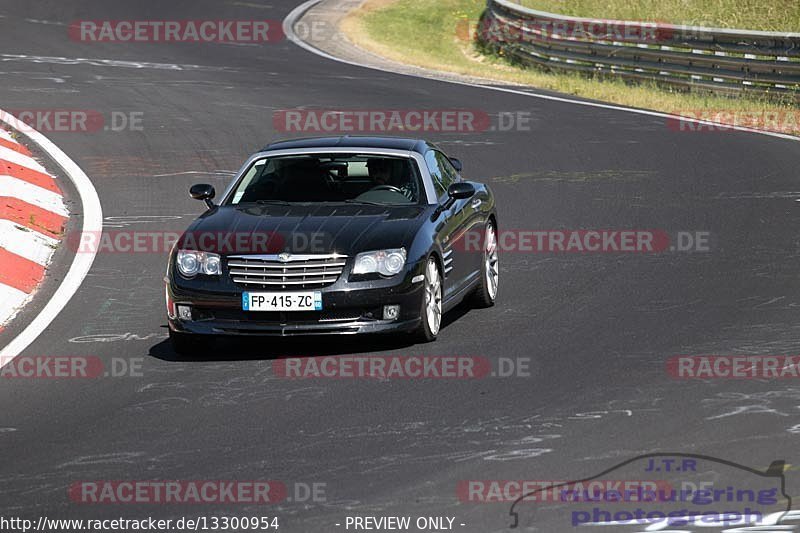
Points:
x=347, y=307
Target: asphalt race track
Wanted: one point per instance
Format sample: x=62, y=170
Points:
x=597, y=329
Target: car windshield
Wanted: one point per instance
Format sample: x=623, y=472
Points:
x=321, y=178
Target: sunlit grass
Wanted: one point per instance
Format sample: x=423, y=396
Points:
x=431, y=33
x=769, y=15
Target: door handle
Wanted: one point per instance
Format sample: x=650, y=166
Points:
x=476, y=203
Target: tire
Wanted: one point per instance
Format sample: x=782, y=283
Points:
x=486, y=291
x=188, y=344
x=431, y=310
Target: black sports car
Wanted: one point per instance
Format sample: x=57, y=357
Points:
x=330, y=236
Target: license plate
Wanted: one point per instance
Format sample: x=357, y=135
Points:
x=282, y=301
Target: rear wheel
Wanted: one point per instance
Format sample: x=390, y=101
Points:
x=486, y=292
x=431, y=313
x=188, y=344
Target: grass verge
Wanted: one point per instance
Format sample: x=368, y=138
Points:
x=772, y=15
x=433, y=34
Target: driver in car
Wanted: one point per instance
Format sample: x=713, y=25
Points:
x=380, y=171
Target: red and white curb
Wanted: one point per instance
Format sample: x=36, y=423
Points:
x=32, y=219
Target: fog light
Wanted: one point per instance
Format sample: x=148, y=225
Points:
x=391, y=312
x=184, y=312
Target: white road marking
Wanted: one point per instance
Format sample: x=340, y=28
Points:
x=55, y=60
x=48, y=22
x=81, y=263
x=26, y=243
x=28, y=192
x=7, y=136
x=20, y=159
x=288, y=30
x=11, y=301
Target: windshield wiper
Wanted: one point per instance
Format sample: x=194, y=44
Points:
x=365, y=202
x=273, y=202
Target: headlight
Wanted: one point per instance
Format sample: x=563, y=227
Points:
x=384, y=262
x=211, y=265
x=191, y=262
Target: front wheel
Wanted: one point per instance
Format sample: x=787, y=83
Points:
x=486, y=292
x=431, y=312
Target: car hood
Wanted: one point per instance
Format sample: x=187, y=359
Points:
x=303, y=229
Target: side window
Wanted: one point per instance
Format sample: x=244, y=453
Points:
x=449, y=173
x=432, y=161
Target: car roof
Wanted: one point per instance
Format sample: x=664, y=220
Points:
x=351, y=141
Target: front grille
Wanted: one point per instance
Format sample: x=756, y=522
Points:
x=294, y=317
x=287, y=272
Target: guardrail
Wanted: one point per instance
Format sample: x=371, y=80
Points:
x=721, y=61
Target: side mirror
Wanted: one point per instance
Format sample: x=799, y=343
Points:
x=461, y=191
x=457, y=191
x=456, y=164
x=203, y=191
